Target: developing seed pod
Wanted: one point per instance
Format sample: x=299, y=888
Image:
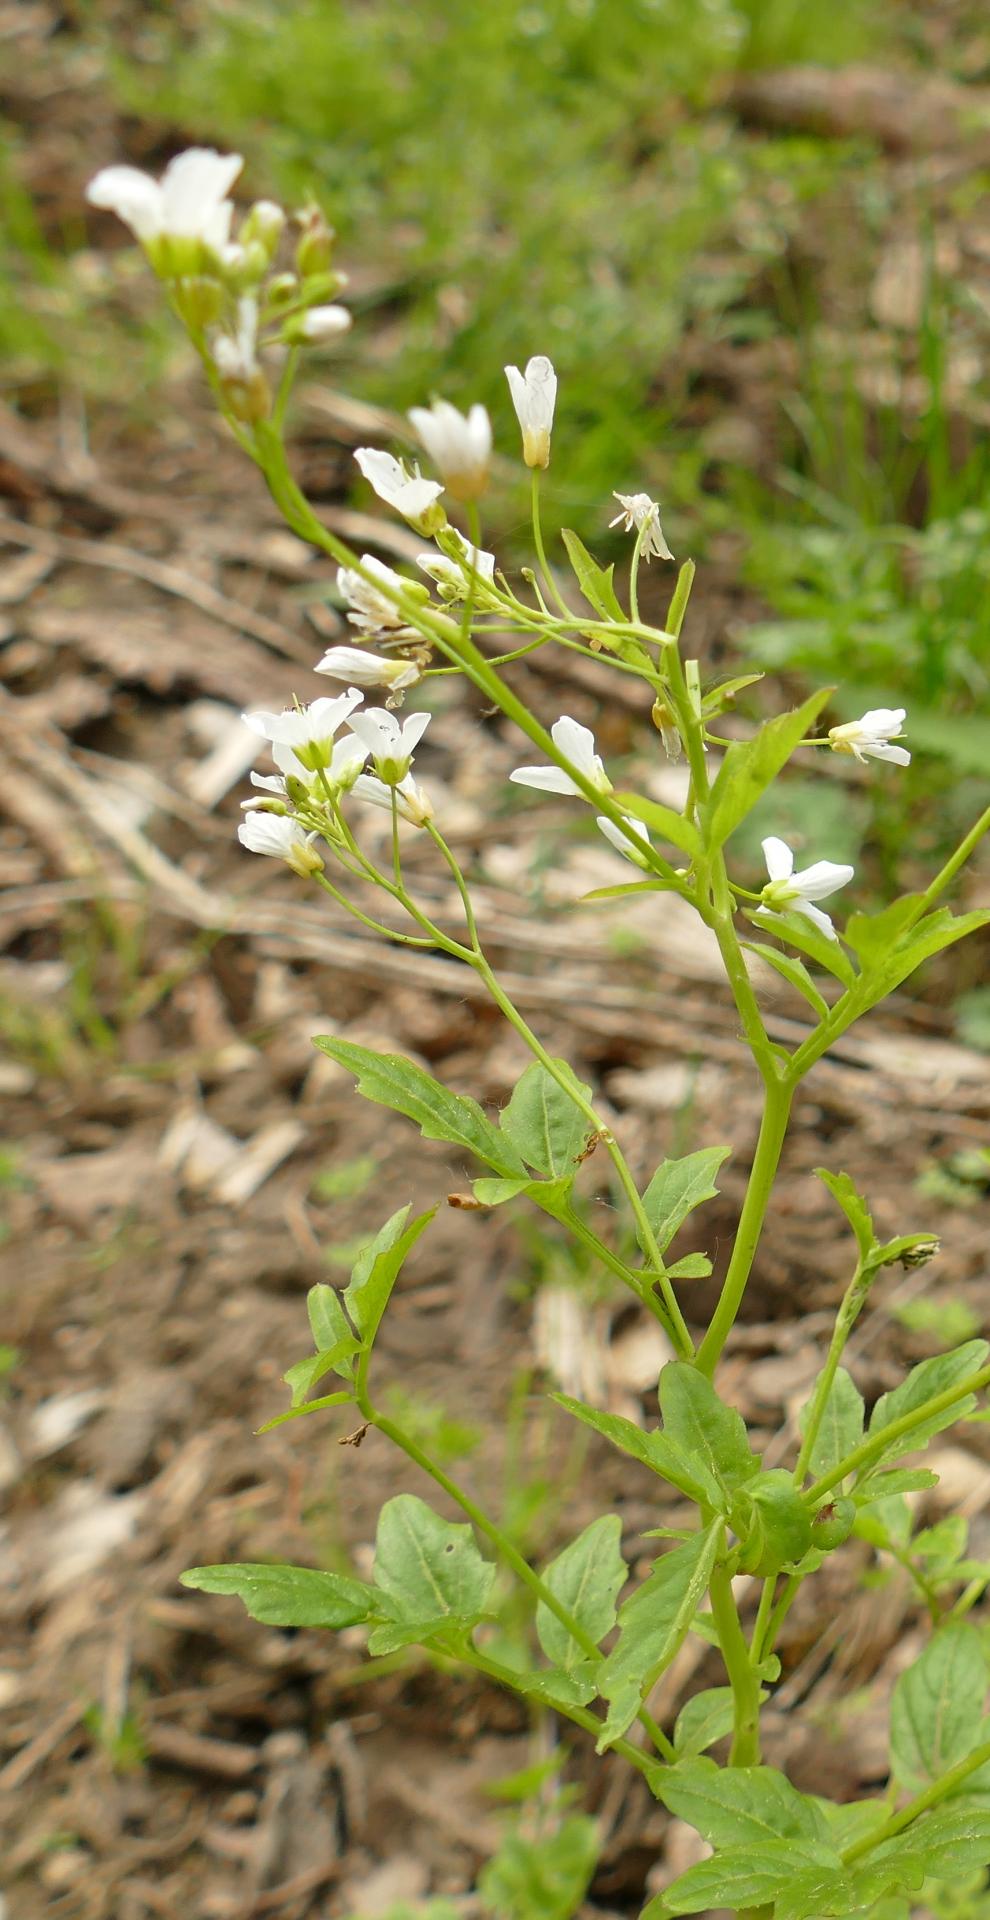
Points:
x=779, y=1530
x=833, y=1524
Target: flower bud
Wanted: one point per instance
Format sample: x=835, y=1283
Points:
x=263, y=225
x=315, y=249
x=282, y=290
x=317, y=327
x=199, y=303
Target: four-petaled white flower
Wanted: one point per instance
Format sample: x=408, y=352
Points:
x=411, y=802
x=577, y=744
x=282, y=838
x=870, y=737
x=639, y=511
x=390, y=742
x=324, y=323
x=453, y=575
x=534, y=396
x=790, y=892
x=306, y=731
x=369, y=669
x=189, y=204
x=459, y=445
x=415, y=498
x=370, y=610
x=614, y=833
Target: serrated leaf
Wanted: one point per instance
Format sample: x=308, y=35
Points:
x=395, y=1082
x=745, y=1877
x=798, y=931
x=656, y=1450
x=543, y=1124
x=653, y=1623
x=936, y=1710
x=376, y=1270
x=749, y=766
x=741, y=1806
x=945, y=1844
x=289, y=1596
x=924, y=1382
x=842, y=1424
x=677, y=1187
x=664, y=821
x=587, y=1578
x=846, y=1195
x=594, y=581
x=708, y=1716
x=792, y=970
x=707, y=1432
x=428, y=1568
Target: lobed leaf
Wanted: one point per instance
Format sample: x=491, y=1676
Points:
x=655, y=1450
x=587, y=1578
x=925, y=1382
x=741, y=1806
x=426, y=1568
x=543, y=1124
x=594, y=581
x=846, y=1195
x=706, y=1431
x=289, y=1596
x=677, y=1187
x=377, y=1268
x=653, y=1623
x=936, y=1710
x=395, y=1082
x=842, y=1424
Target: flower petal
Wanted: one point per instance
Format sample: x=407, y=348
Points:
x=779, y=858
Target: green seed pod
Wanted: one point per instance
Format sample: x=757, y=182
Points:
x=833, y=1524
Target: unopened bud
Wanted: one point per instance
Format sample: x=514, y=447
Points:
x=282, y=290
x=199, y=303
x=263, y=225
x=664, y=720
x=315, y=249
x=315, y=328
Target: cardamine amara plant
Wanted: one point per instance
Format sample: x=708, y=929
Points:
x=597, y=1644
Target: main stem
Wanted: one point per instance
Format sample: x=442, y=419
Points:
x=745, y=1750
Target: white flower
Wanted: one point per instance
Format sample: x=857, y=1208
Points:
x=339, y=769
x=452, y=575
x=268, y=783
x=413, y=803
x=415, y=498
x=189, y=204
x=460, y=445
x=369, y=669
x=790, y=892
x=639, y=511
x=323, y=323
x=870, y=737
x=534, y=396
x=390, y=741
x=614, y=833
x=282, y=838
x=372, y=611
x=577, y=744
x=308, y=731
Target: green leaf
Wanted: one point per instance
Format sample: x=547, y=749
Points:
x=653, y=1623
x=793, y=970
x=755, y=1876
x=395, y=1082
x=709, y=1433
x=551, y=1195
x=886, y=1486
x=925, y=1382
x=936, y=1710
x=664, y=821
x=691, y=1266
x=749, y=766
x=594, y=581
x=858, y=1214
x=305, y=1373
x=327, y=1320
x=289, y=1596
x=545, y=1878
x=741, y=1806
x=559, y=1689
x=428, y=1569
x=874, y=936
x=343, y=1398
x=677, y=1187
x=656, y=1450
x=377, y=1268
x=542, y=1122
x=587, y=1578
x=705, y=1718
x=798, y=931
x=842, y=1424
x=945, y=1844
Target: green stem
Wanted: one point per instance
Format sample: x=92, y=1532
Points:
x=876, y=1445
x=773, y=1127
x=499, y=1540
x=931, y=1796
x=658, y=1273
x=580, y=1715
x=852, y=1303
x=948, y=873
x=762, y=1621
x=745, y=1751
x=548, y=579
